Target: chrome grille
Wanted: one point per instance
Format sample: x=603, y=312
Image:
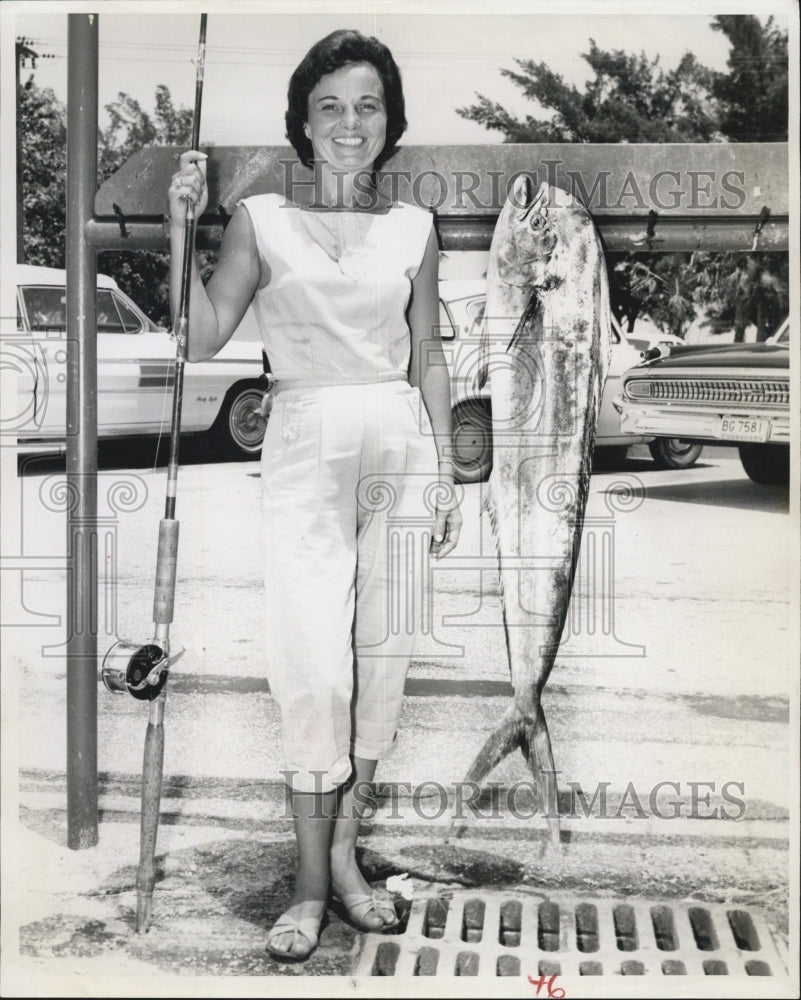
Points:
x=771, y=392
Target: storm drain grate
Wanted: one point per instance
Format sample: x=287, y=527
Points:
x=508, y=934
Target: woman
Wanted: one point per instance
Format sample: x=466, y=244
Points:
x=344, y=285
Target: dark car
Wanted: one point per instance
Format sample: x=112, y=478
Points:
x=738, y=394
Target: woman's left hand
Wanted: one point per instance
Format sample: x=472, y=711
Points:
x=447, y=526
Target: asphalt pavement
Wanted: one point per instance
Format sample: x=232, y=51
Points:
x=669, y=709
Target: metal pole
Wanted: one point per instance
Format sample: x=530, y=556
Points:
x=82, y=60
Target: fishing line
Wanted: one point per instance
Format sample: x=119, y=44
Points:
x=142, y=670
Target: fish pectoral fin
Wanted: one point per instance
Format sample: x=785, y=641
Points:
x=532, y=305
x=482, y=372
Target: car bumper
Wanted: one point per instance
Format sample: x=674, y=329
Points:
x=699, y=424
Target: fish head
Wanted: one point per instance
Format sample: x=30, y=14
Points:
x=526, y=235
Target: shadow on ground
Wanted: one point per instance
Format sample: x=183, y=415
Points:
x=740, y=493
x=141, y=452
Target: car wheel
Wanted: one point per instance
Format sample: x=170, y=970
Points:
x=239, y=428
x=766, y=463
x=674, y=453
x=472, y=441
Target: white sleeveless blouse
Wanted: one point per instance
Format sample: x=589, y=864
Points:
x=340, y=284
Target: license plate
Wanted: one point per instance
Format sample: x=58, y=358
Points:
x=744, y=429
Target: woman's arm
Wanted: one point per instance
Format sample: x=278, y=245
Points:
x=216, y=309
x=429, y=372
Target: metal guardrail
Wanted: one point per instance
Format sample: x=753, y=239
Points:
x=718, y=196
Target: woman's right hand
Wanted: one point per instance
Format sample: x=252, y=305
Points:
x=188, y=184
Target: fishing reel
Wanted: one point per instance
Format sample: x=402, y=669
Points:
x=140, y=670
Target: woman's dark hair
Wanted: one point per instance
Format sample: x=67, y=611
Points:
x=327, y=56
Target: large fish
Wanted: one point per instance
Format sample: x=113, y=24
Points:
x=546, y=347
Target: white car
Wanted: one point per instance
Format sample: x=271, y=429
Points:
x=648, y=335
x=461, y=322
x=135, y=372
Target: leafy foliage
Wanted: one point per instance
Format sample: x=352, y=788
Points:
x=752, y=96
x=42, y=123
x=740, y=290
x=630, y=98
x=131, y=128
x=666, y=284
x=144, y=275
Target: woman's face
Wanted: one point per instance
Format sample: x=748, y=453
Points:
x=347, y=118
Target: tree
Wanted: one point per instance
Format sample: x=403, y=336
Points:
x=144, y=275
x=630, y=98
x=739, y=289
x=752, y=96
x=667, y=283
x=131, y=128
x=42, y=121
x=43, y=132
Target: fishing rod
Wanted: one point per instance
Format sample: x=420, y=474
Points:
x=142, y=670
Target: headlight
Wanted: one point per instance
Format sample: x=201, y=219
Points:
x=639, y=389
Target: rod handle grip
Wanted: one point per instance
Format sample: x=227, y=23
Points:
x=152, y=772
x=166, y=565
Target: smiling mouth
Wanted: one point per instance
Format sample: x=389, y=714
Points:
x=350, y=141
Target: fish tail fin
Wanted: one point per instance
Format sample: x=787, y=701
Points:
x=537, y=750
x=531, y=735
x=503, y=739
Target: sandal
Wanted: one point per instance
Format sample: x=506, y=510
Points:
x=379, y=902
x=306, y=927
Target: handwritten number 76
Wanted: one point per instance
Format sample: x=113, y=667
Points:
x=547, y=984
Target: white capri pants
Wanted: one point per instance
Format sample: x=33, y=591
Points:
x=349, y=480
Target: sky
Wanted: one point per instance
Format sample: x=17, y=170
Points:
x=445, y=57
